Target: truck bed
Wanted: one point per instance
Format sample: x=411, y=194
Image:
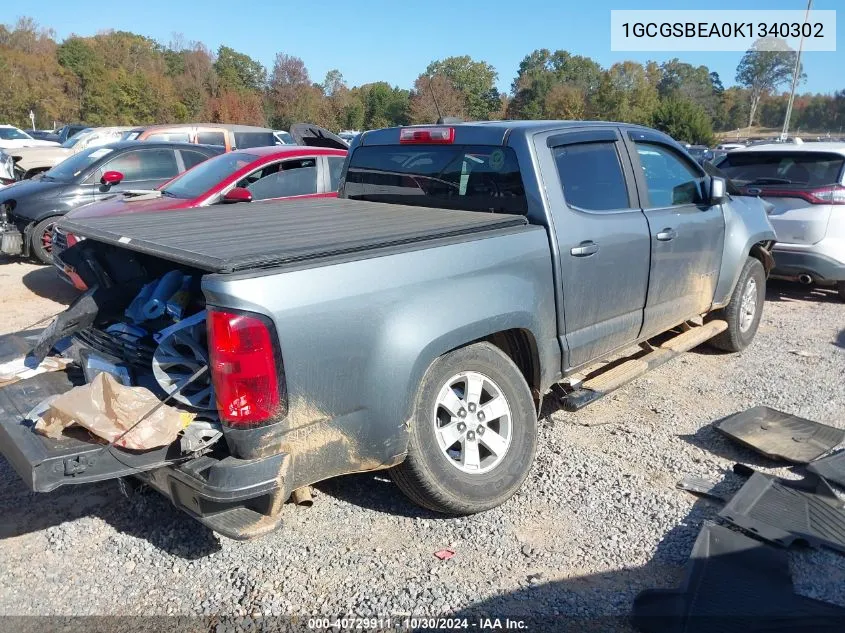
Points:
x=228, y=238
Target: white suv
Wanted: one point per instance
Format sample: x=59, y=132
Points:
x=806, y=186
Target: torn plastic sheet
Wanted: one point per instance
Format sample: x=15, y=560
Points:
x=107, y=409
x=26, y=367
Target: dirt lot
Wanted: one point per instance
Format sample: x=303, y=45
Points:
x=598, y=520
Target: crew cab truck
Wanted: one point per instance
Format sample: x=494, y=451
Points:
x=416, y=322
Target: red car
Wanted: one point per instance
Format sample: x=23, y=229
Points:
x=261, y=173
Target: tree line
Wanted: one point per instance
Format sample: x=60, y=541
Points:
x=122, y=78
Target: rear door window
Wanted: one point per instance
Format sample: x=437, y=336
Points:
x=244, y=140
x=192, y=159
x=211, y=137
x=470, y=177
x=142, y=164
x=286, y=179
x=592, y=177
x=778, y=168
x=335, y=169
x=170, y=137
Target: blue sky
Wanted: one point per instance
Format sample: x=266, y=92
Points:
x=371, y=40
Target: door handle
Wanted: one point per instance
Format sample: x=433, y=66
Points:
x=585, y=249
x=666, y=234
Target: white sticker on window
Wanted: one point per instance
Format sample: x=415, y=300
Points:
x=99, y=153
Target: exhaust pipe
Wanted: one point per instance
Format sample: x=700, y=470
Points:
x=302, y=497
x=805, y=279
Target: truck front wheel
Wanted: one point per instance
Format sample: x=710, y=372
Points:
x=473, y=434
x=744, y=310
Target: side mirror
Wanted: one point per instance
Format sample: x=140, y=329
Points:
x=111, y=178
x=718, y=190
x=238, y=194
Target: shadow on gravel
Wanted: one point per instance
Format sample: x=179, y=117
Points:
x=840, y=339
x=709, y=439
x=374, y=491
x=145, y=515
x=779, y=290
x=45, y=282
x=562, y=605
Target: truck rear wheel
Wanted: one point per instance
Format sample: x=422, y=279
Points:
x=473, y=434
x=744, y=310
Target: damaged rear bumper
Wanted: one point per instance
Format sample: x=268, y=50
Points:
x=239, y=498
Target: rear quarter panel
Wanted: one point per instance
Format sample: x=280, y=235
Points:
x=357, y=337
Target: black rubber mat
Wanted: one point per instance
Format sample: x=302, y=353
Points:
x=780, y=435
x=831, y=468
x=784, y=511
x=733, y=583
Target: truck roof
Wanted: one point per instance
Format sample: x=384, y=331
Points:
x=489, y=132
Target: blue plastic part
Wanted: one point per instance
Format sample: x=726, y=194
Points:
x=135, y=310
x=197, y=318
x=177, y=302
x=165, y=288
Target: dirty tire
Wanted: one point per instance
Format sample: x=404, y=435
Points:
x=735, y=338
x=37, y=247
x=840, y=288
x=429, y=476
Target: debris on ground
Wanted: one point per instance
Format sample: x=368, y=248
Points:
x=445, y=554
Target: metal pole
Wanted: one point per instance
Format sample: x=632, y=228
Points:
x=795, y=73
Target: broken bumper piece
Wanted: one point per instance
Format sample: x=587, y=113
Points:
x=11, y=239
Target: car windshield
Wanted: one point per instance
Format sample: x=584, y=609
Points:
x=69, y=169
x=469, y=177
x=13, y=134
x=778, y=168
x=73, y=140
x=197, y=181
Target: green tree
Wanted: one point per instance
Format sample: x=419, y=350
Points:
x=684, y=121
x=475, y=80
x=542, y=72
x=238, y=71
x=762, y=71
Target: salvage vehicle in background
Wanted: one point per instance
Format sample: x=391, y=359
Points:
x=44, y=135
x=30, y=208
x=262, y=173
x=805, y=184
x=30, y=161
x=415, y=323
x=10, y=137
x=70, y=130
x=224, y=135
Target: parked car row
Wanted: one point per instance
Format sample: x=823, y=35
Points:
x=155, y=155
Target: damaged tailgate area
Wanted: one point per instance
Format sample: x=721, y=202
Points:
x=133, y=396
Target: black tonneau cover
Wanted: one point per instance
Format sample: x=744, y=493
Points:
x=234, y=237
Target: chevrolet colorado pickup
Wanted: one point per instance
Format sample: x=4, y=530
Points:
x=415, y=323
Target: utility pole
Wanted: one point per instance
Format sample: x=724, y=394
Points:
x=795, y=73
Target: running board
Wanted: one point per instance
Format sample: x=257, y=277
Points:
x=603, y=382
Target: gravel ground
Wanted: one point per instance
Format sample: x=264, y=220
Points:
x=598, y=520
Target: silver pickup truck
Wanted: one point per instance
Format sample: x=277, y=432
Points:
x=413, y=324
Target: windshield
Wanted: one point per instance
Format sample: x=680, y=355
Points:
x=285, y=138
x=13, y=134
x=197, y=181
x=804, y=169
x=73, y=140
x=470, y=177
x=69, y=169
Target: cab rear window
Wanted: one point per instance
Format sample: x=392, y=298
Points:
x=468, y=177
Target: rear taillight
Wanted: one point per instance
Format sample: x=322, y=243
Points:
x=245, y=368
x=835, y=194
x=427, y=135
